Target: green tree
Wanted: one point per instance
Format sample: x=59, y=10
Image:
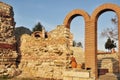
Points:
x=110, y=44
x=74, y=43
x=113, y=45
x=38, y=27
x=79, y=44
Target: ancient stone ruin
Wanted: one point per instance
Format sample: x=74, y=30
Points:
x=47, y=54
x=8, y=54
x=44, y=57
x=40, y=54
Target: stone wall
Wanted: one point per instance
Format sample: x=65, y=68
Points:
x=49, y=57
x=108, y=61
x=77, y=75
x=8, y=53
x=60, y=32
x=6, y=24
x=45, y=57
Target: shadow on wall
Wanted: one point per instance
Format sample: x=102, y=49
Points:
x=19, y=31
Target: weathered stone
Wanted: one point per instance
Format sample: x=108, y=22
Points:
x=80, y=74
x=44, y=57
x=49, y=56
x=8, y=53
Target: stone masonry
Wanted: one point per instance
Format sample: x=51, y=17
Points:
x=8, y=53
x=45, y=57
x=48, y=57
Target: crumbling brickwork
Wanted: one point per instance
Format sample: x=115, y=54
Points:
x=45, y=57
x=8, y=53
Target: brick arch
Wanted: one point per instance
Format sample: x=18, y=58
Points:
x=67, y=21
x=91, y=33
x=73, y=14
x=95, y=15
x=88, y=37
x=85, y=15
x=103, y=8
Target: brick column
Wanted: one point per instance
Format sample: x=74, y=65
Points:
x=90, y=48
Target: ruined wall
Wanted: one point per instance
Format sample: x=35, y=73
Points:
x=46, y=57
x=6, y=24
x=59, y=32
x=8, y=53
x=62, y=32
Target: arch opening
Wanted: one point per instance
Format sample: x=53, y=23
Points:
x=77, y=28
x=73, y=14
x=98, y=11
x=71, y=19
x=106, y=28
x=105, y=52
x=91, y=33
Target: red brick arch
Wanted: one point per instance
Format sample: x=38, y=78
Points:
x=91, y=32
x=73, y=14
x=88, y=30
x=94, y=18
x=85, y=15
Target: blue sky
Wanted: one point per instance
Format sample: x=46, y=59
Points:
x=52, y=13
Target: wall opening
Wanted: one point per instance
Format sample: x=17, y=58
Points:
x=106, y=28
x=77, y=28
x=105, y=25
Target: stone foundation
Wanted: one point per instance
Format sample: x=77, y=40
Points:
x=77, y=75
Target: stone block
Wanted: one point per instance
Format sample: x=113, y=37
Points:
x=67, y=78
x=83, y=74
x=76, y=78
